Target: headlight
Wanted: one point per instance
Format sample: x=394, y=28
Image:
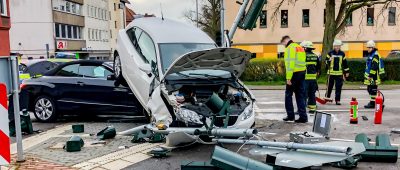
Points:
x=248, y=111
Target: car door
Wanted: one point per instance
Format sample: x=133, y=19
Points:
x=138, y=55
x=67, y=87
x=100, y=94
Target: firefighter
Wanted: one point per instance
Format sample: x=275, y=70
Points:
x=338, y=71
x=313, y=65
x=295, y=64
x=374, y=68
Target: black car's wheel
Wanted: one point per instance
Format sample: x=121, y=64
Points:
x=45, y=109
x=119, y=79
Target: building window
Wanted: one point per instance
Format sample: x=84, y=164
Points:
x=392, y=16
x=115, y=24
x=3, y=7
x=68, y=31
x=284, y=18
x=63, y=31
x=370, y=16
x=57, y=30
x=349, y=20
x=66, y=6
x=263, y=19
x=115, y=6
x=306, y=17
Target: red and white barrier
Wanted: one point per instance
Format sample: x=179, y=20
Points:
x=5, y=156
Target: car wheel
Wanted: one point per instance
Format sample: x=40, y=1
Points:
x=45, y=109
x=119, y=79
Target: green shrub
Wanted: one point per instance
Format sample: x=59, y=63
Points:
x=274, y=70
x=264, y=70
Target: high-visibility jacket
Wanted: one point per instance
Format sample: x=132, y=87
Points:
x=337, y=63
x=313, y=65
x=374, y=68
x=295, y=59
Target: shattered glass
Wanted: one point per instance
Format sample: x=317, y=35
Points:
x=190, y=118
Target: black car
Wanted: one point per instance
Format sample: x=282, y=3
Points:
x=78, y=87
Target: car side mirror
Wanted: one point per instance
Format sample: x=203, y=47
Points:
x=146, y=68
x=111, y=77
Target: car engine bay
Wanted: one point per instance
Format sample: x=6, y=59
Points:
x=193, y=105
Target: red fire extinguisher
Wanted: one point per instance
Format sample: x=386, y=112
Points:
x=353, y=111
x=378, y=108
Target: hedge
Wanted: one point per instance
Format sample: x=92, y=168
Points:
x=274, y=70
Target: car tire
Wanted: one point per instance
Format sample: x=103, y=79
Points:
x=119, y=79
x=45, y=109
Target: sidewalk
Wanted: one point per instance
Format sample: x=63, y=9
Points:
x=323, y=87
x=44, y=151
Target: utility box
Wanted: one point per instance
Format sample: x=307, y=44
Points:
x=320, y=131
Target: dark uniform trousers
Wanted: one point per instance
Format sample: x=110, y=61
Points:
x=373, y=91
x=298, y=89
x=311, y=87
x=336, y=80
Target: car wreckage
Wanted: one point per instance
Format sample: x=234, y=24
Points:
x=180, y=76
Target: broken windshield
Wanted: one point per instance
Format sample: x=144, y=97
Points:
x=169, y=52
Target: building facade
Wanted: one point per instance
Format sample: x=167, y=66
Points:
x=116, y=21
x=97, y=29
x=4, y=28
x=305, y=21
x=65, y=28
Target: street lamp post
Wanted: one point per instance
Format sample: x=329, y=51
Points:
x=222, y=23
x=197, y=13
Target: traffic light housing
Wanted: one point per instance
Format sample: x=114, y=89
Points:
x=250, y=18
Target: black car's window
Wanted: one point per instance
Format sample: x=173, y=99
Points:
x=94, y=71
x=69, y=71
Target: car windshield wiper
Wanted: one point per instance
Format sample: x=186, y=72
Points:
x=182, y=75
x=205, y=75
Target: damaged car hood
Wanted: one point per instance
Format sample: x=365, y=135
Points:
x=228, y=59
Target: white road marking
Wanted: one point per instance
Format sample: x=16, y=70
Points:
x=270, y=103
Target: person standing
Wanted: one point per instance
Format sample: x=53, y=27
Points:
x=295, y=65
x=338, y=71
x=374, y=67
x=313, y=65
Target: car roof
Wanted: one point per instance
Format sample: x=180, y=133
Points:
x=169, y=31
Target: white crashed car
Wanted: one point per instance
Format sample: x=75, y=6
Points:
x=173, y=69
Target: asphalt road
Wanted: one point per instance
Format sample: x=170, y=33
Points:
x=269, y=114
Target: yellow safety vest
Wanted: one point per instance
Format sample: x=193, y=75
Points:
x=295, y=60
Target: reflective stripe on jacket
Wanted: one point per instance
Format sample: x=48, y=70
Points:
x=373, y=68
x=313, y=65
x=337, y=63
x=295, y=59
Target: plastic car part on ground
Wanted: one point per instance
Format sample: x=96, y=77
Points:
x=108, y=133
x=74, y=144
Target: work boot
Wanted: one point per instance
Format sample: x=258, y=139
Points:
x=370, y=105
x=300, y=120
x=286, y=119
x=338, y=103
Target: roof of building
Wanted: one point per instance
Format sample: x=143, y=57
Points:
x=169, y=31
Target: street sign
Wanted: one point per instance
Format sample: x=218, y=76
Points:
x=5, y=156
x=62, y=45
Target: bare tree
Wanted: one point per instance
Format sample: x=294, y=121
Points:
x=335, y=24
x=209, y=17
